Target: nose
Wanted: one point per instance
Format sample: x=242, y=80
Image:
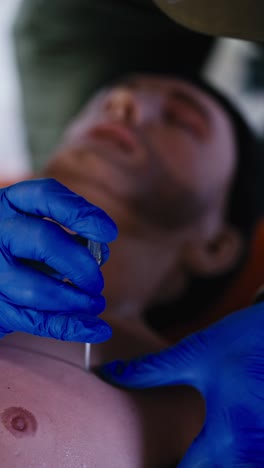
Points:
x=121, y=105
x=134, y=107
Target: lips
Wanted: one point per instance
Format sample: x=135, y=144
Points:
x=121, y=136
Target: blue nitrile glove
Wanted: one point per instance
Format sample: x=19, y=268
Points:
x=226, y=364
x=31, y=300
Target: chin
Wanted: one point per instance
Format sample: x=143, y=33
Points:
x=117, y=195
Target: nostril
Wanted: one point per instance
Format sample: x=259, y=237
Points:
x=121, y=106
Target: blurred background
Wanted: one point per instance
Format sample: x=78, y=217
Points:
x=14, y=158
x=235, y=66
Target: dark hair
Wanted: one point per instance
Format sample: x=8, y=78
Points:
x=245, y=209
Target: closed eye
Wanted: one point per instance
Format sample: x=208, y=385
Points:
x=182, y=113
x=172, y=116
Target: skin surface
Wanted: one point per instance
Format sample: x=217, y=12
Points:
x=52, y=413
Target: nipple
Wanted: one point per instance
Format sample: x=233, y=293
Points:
x=19, y=422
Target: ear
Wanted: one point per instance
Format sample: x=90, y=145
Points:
x=215, y=256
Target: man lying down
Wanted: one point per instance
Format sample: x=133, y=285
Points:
x=131, y=153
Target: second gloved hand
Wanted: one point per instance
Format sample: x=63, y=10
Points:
x=226, y=364
x=32, y=301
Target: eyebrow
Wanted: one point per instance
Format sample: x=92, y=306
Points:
x=186, y=98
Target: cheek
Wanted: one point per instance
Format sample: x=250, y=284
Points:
x=182, y=157
x=89, y=117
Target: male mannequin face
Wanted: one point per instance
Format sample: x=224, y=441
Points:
x=159, y=155
x=160, y=145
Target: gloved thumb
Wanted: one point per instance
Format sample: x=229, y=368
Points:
x=183, y=364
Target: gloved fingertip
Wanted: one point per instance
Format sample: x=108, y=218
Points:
x=108, y=228
x=88, y=331
x=104, y=332
x=105, y=253
x=114, y=372
x=97, y=305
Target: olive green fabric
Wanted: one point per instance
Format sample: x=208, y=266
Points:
x=66, y=49
x=235, y=18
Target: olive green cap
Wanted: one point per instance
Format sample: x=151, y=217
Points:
x=232, y=18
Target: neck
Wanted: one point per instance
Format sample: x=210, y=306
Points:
x=138, y=273
x=145, y=261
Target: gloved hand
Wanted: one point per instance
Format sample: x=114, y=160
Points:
x=32, y=301
x=226, y=364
